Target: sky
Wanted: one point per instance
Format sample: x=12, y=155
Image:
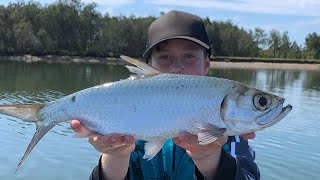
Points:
x=298, y=17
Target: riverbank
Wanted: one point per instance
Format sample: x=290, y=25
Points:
x=219, y=64
x=263, y=65
x=62, y=59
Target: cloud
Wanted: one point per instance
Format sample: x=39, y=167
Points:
x=164, y=9
x=108, y=6
x=275, y=7
x=108, y=10
x=308, y=23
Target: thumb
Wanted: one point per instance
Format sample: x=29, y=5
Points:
x=76, y=125
x=82, y=131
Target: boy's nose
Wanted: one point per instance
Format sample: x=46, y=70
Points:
x=176, y=71
x=176, y=68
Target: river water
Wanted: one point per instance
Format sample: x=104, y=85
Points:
x=289, y=150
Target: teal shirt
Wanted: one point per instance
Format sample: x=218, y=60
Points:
x=172, y=162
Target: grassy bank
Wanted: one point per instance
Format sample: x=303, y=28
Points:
x=62, y=59
x=114, y=60
x=265, y=60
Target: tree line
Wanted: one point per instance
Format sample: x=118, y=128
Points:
x=70, y=27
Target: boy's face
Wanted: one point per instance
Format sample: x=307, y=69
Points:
x=180, y=56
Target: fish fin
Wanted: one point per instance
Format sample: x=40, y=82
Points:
x=210, y=133
x=142, y=68
x=40, y=132
x=29, y=113
x=26, y=112
x=136, y=70
x=151, y=148
x=137, y=73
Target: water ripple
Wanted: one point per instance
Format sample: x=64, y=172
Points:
x=25, y=97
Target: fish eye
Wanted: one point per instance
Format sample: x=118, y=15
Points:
x=262, y=101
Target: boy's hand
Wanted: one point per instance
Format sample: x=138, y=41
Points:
x=248, y=135
x=197, y=151
x=112, y=144
x=206, y=157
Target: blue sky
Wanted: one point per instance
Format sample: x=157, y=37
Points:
x=298, y=17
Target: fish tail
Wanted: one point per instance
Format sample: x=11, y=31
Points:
x=40, y=132
x=29, y=113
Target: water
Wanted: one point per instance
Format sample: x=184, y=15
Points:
x=288, y=150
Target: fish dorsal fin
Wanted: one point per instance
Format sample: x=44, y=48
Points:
x=141, y=69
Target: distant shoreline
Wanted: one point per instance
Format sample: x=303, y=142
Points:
x=63, y=59
x=263, y=65
x=215, y=64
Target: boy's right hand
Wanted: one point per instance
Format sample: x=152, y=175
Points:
x=113, y=144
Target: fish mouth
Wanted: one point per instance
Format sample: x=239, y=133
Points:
x=284, y=111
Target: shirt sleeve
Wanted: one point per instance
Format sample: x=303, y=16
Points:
x=96, y=172
x=238, y=164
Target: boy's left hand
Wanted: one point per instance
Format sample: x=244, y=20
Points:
x=206, y=157
x=197, y=151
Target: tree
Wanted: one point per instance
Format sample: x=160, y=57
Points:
x=6, y=40
x=69, y=27
x=285, y=44
x=90, y=29
x=260, y=38
x=214, y=36
x=27, y=41
x=295, y=51
x=274, y=42
x=312, y=42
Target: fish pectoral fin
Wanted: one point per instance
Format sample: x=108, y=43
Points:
x=151, y=148
x=209, y=134
x=142, y=68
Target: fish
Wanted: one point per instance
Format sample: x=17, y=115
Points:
x=154, y=106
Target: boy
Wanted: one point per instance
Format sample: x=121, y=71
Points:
x=178, y=43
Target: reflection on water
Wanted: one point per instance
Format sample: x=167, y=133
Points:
x=283, y=151
x=67, y=78
x=272, y=78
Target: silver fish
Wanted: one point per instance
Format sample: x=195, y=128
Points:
x=155, y=106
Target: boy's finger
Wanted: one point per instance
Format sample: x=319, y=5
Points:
x=189, y=138
x=76, y=125
x=248, y=135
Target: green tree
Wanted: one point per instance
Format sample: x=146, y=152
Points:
x=285, y=44
x=90, y=28
x=274, y=42
x=27, y=41
x=214, y=36
x=6, y=39
x=70, y=27
x=312, y=42
x=260, y=38
x=295, y=51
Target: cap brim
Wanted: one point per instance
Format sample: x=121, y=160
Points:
x=147, y=52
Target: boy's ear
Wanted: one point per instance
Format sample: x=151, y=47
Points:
x=206, y=65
